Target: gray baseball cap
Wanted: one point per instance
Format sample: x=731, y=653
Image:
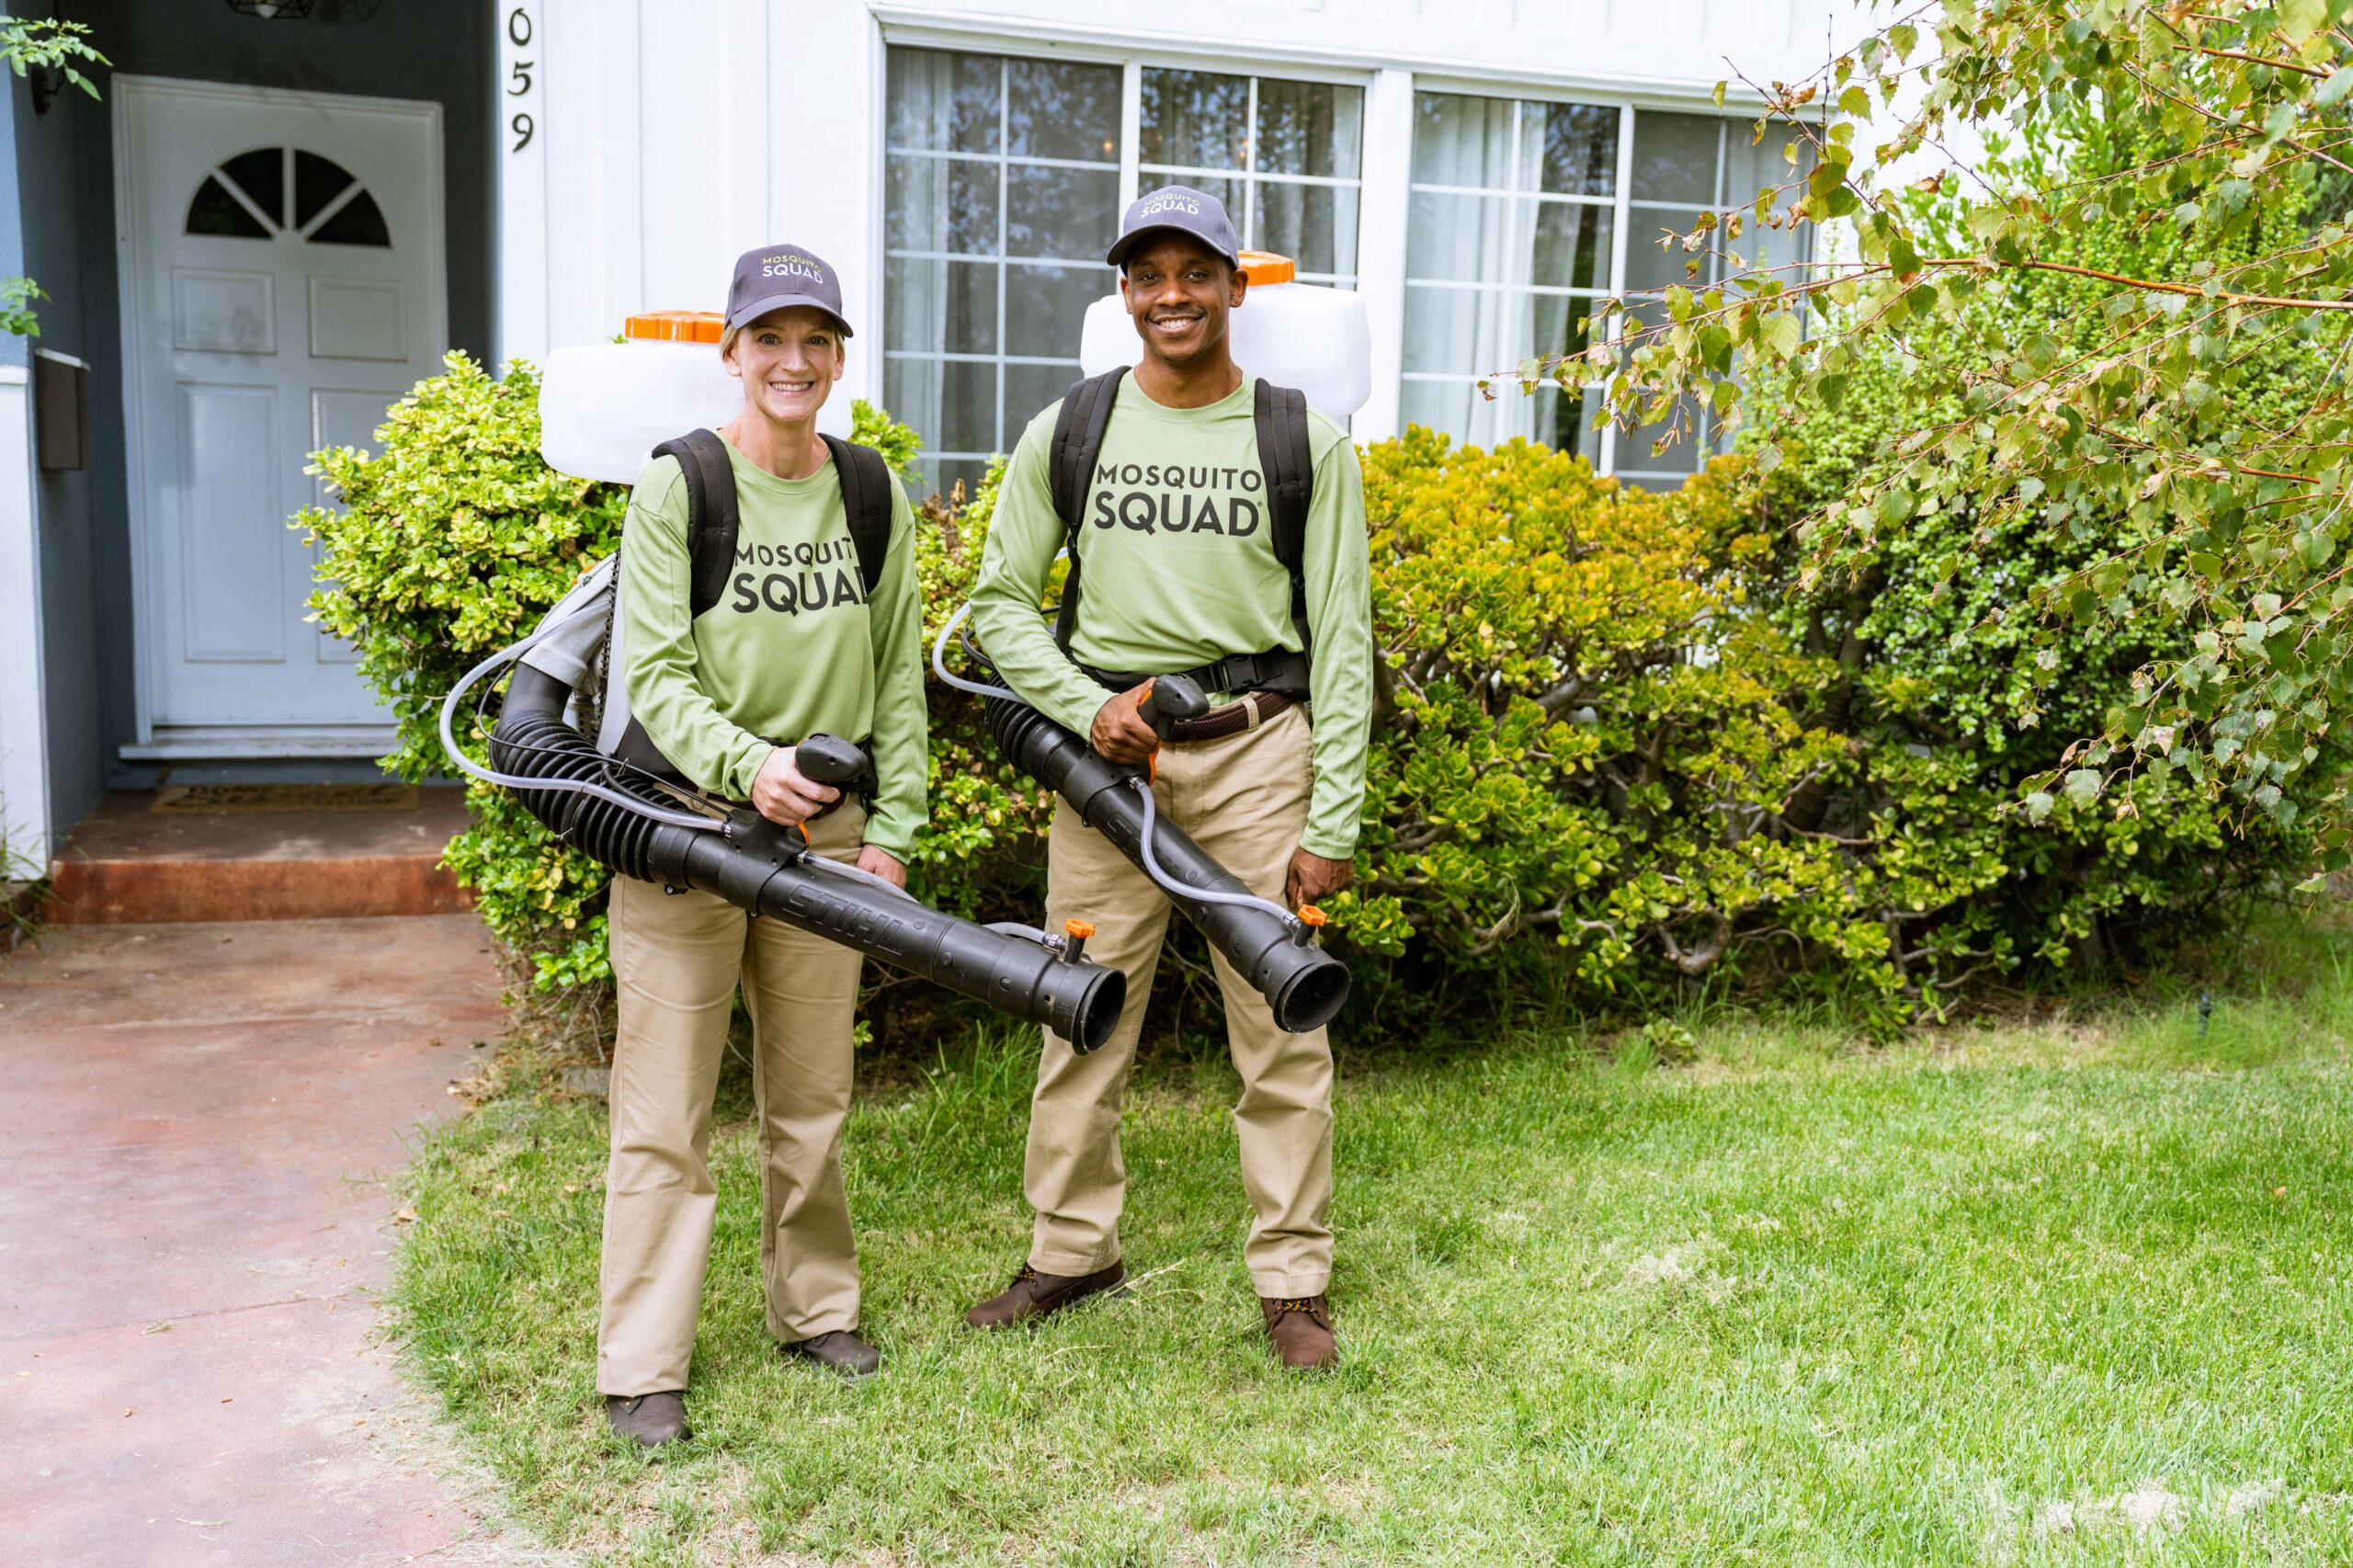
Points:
x=1196, y=212
x=773, y=277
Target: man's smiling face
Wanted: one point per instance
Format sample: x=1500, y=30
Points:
x=790, y=360
x=1179, y=292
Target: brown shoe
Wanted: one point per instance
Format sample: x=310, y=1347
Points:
x=1033, y=1295
x=653, y=1419
x=1301, y=1327
x=842, y=1352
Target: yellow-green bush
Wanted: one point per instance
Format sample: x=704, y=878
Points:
x=1612, y=741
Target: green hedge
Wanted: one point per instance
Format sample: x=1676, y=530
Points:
x=1615, y=754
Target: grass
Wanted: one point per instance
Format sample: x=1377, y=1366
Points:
x=2069, y=1289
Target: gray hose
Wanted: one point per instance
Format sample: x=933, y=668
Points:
x=939, y=661
x=1206, y=895
x=1151, y=862
x=510, y=654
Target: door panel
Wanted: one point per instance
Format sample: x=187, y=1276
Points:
x=356, y=319
x=340, y=419
x=224, y=311
x=227, y=437
x=282, y=281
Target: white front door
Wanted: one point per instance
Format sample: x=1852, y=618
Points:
x=282, y=285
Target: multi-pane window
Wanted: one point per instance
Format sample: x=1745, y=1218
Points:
x=1509, y=233
x=1522, y=215
x=1283, y=157
x=1001, y=186
x=1006, y=177
x=1002, y=191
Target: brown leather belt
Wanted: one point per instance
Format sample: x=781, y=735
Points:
x=1246, y=713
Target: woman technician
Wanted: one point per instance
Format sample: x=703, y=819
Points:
x=797, y=644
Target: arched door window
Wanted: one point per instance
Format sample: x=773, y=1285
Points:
x=273, y=190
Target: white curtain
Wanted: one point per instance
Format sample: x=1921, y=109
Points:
x=1463, y=141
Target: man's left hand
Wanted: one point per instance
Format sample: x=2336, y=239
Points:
x=884, y=864
x=1312, y=878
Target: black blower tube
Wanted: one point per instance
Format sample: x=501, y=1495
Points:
x=1302, y=984
x=756, y=866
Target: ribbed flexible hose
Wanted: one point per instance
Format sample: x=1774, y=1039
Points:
x=1304, y=986
x=766, y=870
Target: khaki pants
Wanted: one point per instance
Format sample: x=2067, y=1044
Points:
x=1243, y=800
x=676, y=959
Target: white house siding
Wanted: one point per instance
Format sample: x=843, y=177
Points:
x=668, y=135
x=24, y=749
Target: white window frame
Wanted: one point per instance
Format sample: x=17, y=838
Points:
x=1004, y=160
x=1616, y=202
x=1132, y=62
x=1625, y=208
x=1250, y=175
x=1385, y=168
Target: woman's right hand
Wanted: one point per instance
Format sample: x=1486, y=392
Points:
x=781, y=793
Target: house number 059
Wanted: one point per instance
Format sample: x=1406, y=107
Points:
x=519, y=78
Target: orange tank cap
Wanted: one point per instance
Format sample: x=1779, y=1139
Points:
x=1310, y=917
x=1263, y=266
x=675, y=326
x=1081, y=929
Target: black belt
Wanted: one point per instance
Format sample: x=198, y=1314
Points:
x=1276, y=669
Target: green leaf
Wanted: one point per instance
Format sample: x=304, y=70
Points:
x=1782, y=334
x=2301, y=18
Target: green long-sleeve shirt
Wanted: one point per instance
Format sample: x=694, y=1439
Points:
x=793, y=648
x=1180, y=570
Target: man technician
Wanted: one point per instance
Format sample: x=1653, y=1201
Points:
x=1177, y=570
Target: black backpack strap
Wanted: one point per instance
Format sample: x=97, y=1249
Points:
x=866, y=497
x=1288, y=463
x=711, y=517
x=1079, y=442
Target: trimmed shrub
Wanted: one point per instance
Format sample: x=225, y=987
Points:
x=452, y=539
x=1621, y=744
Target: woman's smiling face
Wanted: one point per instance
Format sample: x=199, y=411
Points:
x=790, y=360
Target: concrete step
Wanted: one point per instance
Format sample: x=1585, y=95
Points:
x=259, y=853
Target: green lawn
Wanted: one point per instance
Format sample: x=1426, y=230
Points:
x=2073, y=1291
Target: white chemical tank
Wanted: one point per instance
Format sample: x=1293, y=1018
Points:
x=604, y=406
x=1292, y=333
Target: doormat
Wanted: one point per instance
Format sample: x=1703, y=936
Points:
x=216, y=798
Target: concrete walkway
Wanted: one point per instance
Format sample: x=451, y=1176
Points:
x=193, y=1223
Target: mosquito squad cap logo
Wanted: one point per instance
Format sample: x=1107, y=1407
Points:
x=1197, y=212
x=773, y=277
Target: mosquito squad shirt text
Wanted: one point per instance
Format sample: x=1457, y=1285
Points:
x=1179, y=569
x=793, y=646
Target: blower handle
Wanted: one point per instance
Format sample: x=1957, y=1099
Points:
x=1167, y=700
x=829, y=759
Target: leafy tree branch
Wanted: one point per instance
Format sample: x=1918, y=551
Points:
x=2139, y=297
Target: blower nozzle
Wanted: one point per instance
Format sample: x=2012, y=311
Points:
x=1304, y=985
x=765, y=869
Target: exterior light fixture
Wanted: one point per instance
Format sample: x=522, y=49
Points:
x=272, y=10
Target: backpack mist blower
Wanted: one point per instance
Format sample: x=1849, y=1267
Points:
x=610, y=797
x=1308, y=337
